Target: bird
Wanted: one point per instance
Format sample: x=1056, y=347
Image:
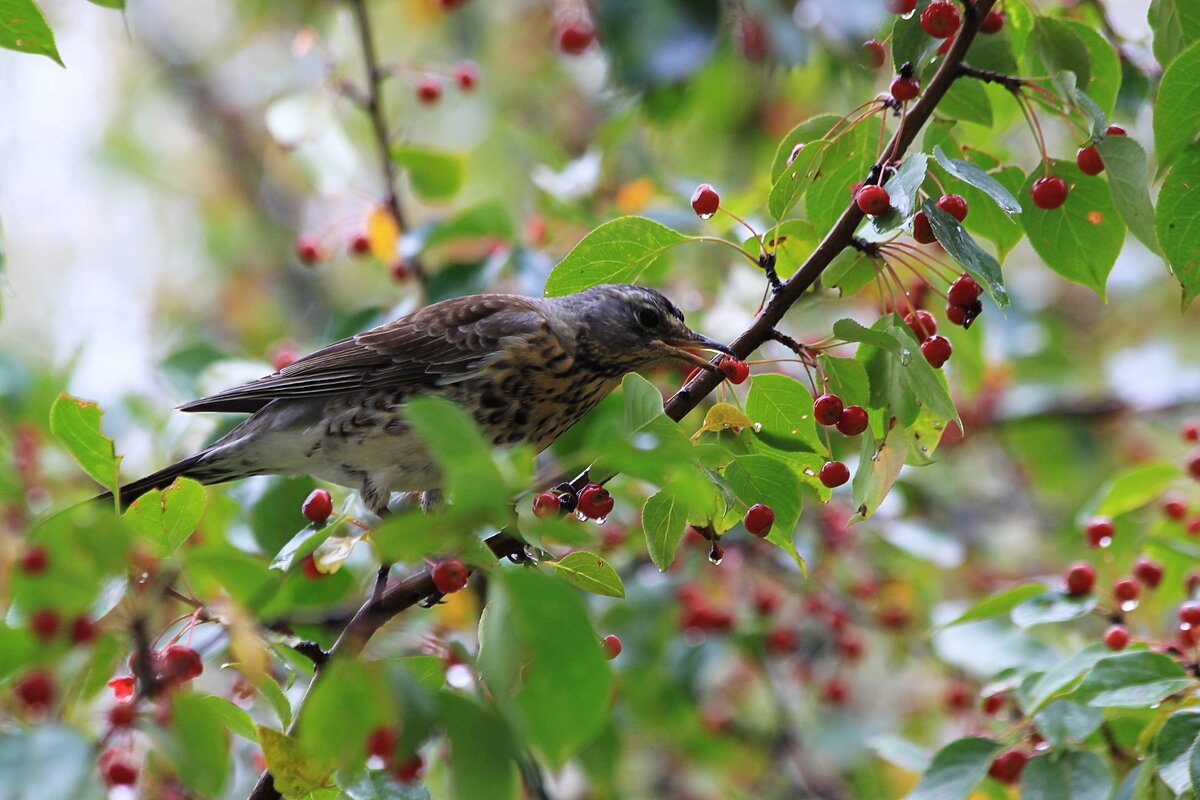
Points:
x=525, y=368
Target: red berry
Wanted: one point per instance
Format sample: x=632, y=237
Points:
x=575, y=37
x=595, y=502
x=1006, y=767
x=854, y=419
x=781, y=640
x=122, y=715
x=1116, y=637
x=310, y=570
x=904, y=89
x=179, y=664
x=964, y=291
x=795, y=152
x=381, y=741
x=1088, y=160
x=1191, y=583
x=1175, y=508
x=901, y=6
x=317, y=506
x=759, y=519
x=309, y=249
x=834, y=473
x=44, y=623
x=953, y=204
x=1150, y=573
x=827, y=409
x=119, y=772
x=1098, y=531
x=1193, y=526
x=450, y=5
x=409, y=770
x=936, y=350
x=429, y=89
x=122, y=688
x=400, y=270
x=956, y=315
x=940, y=19
x=1190, y=431
x=450, y=576
x=1114, y=130
x=734, y=369
x=35, y=690
x=83, y=630
x=873, y=200
x=34, y=560
x=993, y=703
x=282, y=356
x=993, y=22
x=848, y=646
x=1193, y=465
x=359, y=245
x=612, y=646
x=766, y=601
x=1080, y=578
x=922, y=230
x=1126, y=590
x=705, y=201
x=466, y=74
x=546, y=504
x=958, y=697
x=1189, y=613
x=872, y=55
x=836, y=692
x=922, y=324
x=1048, y=193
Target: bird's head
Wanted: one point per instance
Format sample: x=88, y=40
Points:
x=633, y=327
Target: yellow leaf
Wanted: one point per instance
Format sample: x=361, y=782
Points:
x=244, y=643
x=723, y=416
x=383, y=232
x=294, y=776
x=330, y=553
x=633, y=196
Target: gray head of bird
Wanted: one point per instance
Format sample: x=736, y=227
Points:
x=633, y=326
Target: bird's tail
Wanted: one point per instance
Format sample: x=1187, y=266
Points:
x=200, y=467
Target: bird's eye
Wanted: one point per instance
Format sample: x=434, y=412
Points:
x=648, y=317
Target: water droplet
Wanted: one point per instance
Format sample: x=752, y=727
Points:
x=1129, y=605
x=716, y=554
x=580, y=516
x=601, y=520
x=758, y=427
x=905, y=357
x=645, y=441
x=707, y=216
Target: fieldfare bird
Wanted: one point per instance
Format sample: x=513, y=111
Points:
x=527, y=369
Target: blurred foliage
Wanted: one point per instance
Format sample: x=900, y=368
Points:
x=887, y=638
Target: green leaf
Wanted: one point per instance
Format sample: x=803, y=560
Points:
x=967, y=101
x=435, y=174
x=1081, y=239
x=878, y=467
x=1176, y=113
x=1133, y=488
x=481, y=763
x=1131, y=680
x=199, y=745
x=167, y=518
x=971, y=173
x=236, y=719
x=1177, y=221
x=999, y=603
x=617, y=252
x=1087, y=107
x=76, y=424
x=1105, y=76
x=810, y=130
x=847, y=379
x=956, y=769
x=278, y=511
x=1058, y=45
x=974, y=259
x=1069, y=775
x=845, y=163
x=460, y=451
x=783, y=409
x=376, y=784
x=46, y=762
x=1176, y=24
x=24, y=29
x=927, y=384
x=1063, y=674
x=643, y=402
x=117, y=4
x=902, y=191
x=1064, y=721
x=791, y=184
x=1174, y=749
x=851, y=331
x=1129, y=184
x=293, y=774
x=664, y=518
x=849, y=271
x=766, y=479
x=489, y=218
x=589, y=572
x=1051, y=607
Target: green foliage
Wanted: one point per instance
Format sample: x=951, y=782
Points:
x=616, y=252
x=24, y=28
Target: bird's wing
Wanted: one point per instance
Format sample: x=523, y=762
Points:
x=417, y=351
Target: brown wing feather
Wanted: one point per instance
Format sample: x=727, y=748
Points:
x=444, y=339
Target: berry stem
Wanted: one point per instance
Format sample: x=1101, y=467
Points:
x=748, y=227
x=727, y=243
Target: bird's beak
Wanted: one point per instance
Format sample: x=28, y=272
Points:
x=682, y=349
